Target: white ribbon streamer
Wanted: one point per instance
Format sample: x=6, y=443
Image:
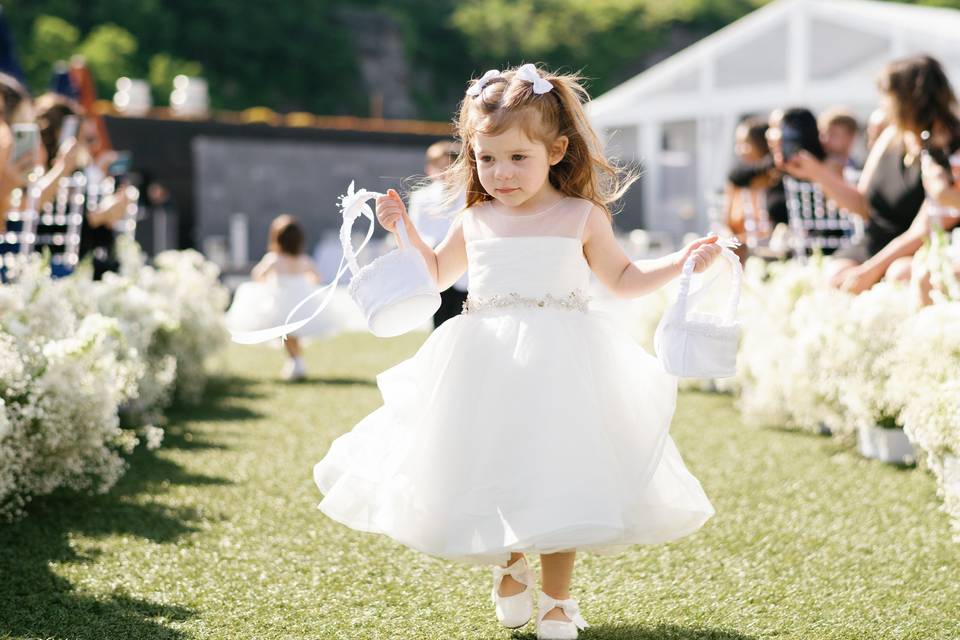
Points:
x=352, y=205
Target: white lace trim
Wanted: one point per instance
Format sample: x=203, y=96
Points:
x=576, y=300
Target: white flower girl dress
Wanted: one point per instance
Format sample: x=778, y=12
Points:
x=526, y=424
x=260, y=305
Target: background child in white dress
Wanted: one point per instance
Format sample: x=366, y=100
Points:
x=526, y=424
x=283, y=277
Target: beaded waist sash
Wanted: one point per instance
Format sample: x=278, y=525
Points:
x=576, y=300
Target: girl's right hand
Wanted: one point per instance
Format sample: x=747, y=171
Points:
x=703, y=251
x=803, y=165
x=390, y=209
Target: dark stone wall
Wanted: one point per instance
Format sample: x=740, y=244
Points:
x=264, y=178
x=260, y=170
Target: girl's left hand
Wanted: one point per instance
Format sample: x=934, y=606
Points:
x=703, y=250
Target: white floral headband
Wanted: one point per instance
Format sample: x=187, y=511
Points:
x=527, y=72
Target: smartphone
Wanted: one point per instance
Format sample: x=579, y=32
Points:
x=789, y=141
x=26, y=139
x=69, y=128
x=120, y=166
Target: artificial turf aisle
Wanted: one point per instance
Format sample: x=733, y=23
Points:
x=216, y=535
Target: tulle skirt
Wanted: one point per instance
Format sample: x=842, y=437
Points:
x=260, y=305
x=533, y=430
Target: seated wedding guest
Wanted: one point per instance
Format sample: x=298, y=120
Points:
x=838, y=133
x=97, y=236
x=918, y=98
x=745, y=207
x=941, y=210
x=432, y=214
x=15, y=108
x=58, y=153
x=792, y=132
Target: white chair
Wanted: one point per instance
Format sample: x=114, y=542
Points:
x=58, y=225
x=128, y=224
x=816, y=222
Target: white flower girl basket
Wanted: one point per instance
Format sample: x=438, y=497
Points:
x=700, y=345
x=395, y=292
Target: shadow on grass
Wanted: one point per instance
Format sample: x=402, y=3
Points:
x=834, y=446
x=37, y=602
x=219, y=402
x=315, y=380
x=648, y=632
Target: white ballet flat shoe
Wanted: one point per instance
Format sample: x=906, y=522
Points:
x=559, y=629
x=513, y=611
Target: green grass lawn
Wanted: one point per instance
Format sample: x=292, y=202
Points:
x=217, y=535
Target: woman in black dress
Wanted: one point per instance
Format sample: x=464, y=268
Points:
x=890, y=194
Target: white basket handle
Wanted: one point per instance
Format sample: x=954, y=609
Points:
x=352, y=205
x=684, y=296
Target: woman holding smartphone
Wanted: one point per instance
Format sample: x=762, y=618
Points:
x=890, y=194
x=62, y=130
x=16, y=161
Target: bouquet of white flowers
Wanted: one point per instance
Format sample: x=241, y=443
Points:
x=74, y=352
x=773, y=381
x=926, y=369
x=61, y=383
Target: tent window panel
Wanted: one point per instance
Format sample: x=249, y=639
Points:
x=760, y=60
x=836, y=49
x=622, y=143
x=623, y=147
x=678, y=171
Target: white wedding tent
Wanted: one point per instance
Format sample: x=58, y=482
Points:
x=678, y=117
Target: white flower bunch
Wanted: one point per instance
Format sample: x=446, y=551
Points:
x=938, y=259
x=925, y=385
x=865, y=360
x=193, y=285
x=180, y=304
x=925, y=366
x=60, y=425
x=74, y=352
x=771, y=368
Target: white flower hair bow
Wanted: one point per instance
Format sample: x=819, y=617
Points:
x=529, y=73
x=478, y=86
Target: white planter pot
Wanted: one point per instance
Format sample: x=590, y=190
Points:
x=886, y=445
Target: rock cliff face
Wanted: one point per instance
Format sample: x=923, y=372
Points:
x=381, y=57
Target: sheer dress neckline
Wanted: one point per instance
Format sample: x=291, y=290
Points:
x=553, y=206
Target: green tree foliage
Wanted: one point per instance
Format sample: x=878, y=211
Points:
x=51, y=39
x=163, y=69
x=109, y=51
x=298, y=54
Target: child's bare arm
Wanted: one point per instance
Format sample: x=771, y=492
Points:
x=448, y=262
x=451, y=256
x=628, y=279
x=263, y=268
x=314, y=276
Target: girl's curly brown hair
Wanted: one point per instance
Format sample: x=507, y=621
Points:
x=506, y=101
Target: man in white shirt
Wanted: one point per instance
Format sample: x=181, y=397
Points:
x=432, y=220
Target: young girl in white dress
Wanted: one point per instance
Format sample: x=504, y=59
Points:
x=283, y=277
x=527, y=425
